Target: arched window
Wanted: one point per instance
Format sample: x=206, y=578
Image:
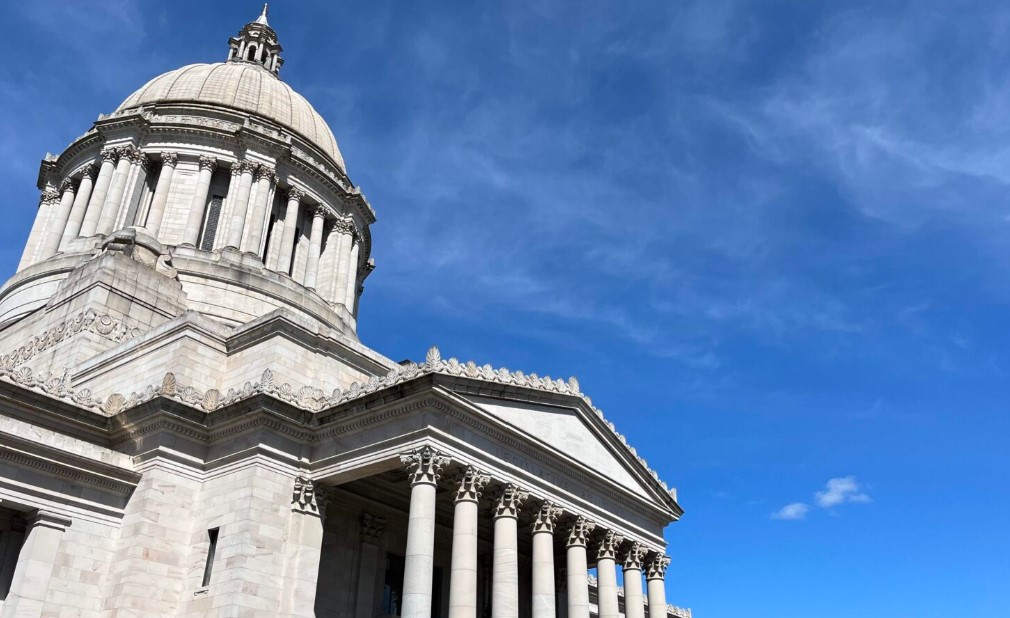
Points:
x=250, y=52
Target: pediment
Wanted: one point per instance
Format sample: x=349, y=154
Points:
x=568, y=431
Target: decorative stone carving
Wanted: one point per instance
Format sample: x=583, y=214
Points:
x=344, y=225
x=294, y=193
x=49, y=197
x=88, y=321
x=309, y=497
x=509, y=500
x=243, y=166
x=207, y=163
x=110, y=154
x=546, y=518
x=319, y=210
x=136, y=156
x=580, y=530
x=372, y=527
x=609, y=543
x=67, y=185
x=424, y=465
x=633, y=556
x=263, y=171
x=656, y=568
x=469, y=483
x=169, y=159
x=88, y=171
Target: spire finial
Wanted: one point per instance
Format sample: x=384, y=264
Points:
x=262, y=19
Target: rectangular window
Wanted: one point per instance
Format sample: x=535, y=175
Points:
x=212, y=537
x=210, y=227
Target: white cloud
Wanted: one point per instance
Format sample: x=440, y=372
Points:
x=839, y=491
x=796, y=510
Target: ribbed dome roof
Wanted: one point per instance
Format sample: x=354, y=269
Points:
x=244, y=86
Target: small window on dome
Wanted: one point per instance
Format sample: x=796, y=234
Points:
x=250, y=52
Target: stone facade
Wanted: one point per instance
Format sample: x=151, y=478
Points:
x=189, y=425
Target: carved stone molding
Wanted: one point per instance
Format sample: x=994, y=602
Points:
x=105, y=325
x=469, y=483
x=49, y=197
x=608, y=546
x=169, y=159
x=207, y=163
x=372, y=528
x=579, y=532
x=424, y=465
x=656, y=568
x=546, y=518
x=509, y=501
x=633, y=556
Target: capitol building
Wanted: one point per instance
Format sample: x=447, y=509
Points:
x=190, y=426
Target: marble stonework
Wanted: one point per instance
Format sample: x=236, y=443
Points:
x=190, y=426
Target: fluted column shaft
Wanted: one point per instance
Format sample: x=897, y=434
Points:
x=287, y=248
x=315, y=248
x=191, y=235
x=160, y=199
x=97, y=201
x=655, y=578
x=634, y=601
x=424, y=466
x=578, y=575
x=33, y=248
x=345, y=239
x=352, y=276
x=80, y=207
x=238, y=203
x=114, y=198
x=544, y=598
x=463, y=575
x=58, y=222
x=505, y=565
x=258, y=213
x=606, y=572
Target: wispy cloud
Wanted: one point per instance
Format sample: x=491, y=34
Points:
x=796, y=510
x=836, y=492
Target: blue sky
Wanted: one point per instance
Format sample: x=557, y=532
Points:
x=771, y=239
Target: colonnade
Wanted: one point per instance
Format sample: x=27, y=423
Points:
x=425, y=466
x=94, y=205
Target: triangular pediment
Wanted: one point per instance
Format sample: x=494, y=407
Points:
x=567, y=430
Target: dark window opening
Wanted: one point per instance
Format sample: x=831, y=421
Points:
x=12, y=537
x=210, y=227
x=392, y=590
x=270, y=233
x=211, y=550
x=250, y=53
x=295, y=252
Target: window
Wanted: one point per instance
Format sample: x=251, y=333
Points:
x=211, y=550
x=250, y=52
x=210, y=226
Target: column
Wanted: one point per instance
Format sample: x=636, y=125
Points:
x=344, y=228
x=655, y=576
x=194, y=223
x=352, y=275
x=368, y=568
x=58, y=222
x=47, y=202
x=606, y=570
x=160, y=199
x=304, y=547
x=94, y=210
x=238, y=201
x=73, y=229
x=328, y=264
x=315, y=247
x=634, y=602
x=505, y=564
x=463, y=575
x=424, y=466
x=290, y=222
x=35, y=567
x=544, y=599
x=257, y=217
x=578, y=571
x=129, y=156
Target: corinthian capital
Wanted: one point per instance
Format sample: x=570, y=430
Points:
x=656, y=568
x=169, y=159
x=294, y=193
x=632, y=558
x=67, y=185
x=547, y=517
x=309, y=497
x=372, y=527
x=344, y=225
x=135, y=155
x=110, y=154
x=264, y=172
x=609, y=544
x=424, y=465
x=469, y=484
x=88, y=171
x=579, y=533
x=508, y=500
x=49, y=197
x=207, y=162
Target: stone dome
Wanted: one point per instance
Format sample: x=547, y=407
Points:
x=244, y=86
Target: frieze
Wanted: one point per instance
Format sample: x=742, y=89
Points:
x=111, y=328
x=199, y=121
